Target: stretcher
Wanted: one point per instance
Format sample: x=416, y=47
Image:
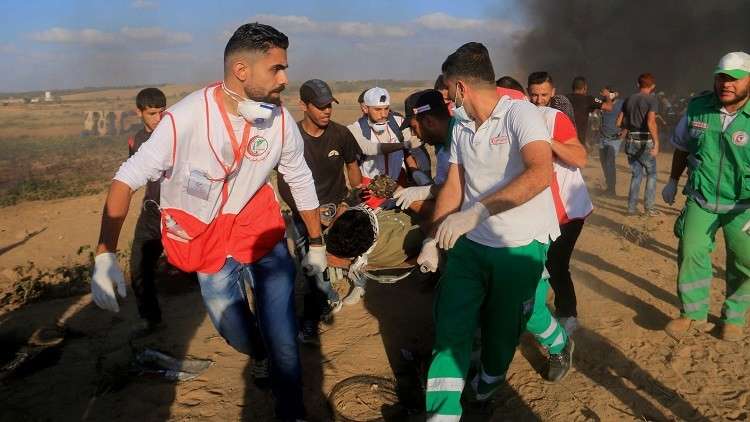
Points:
x=382, y=275
x=338, y=268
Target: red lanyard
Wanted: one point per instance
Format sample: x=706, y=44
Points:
x=238, y=149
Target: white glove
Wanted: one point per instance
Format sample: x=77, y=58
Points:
x=669, y=191
x=746, y=229
x=315, y=261
x=106, y=275
x=460, y=223
x=405, y=197
x=429, y=256
x=412, y=143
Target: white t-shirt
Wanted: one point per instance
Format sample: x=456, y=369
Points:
x=491, y=159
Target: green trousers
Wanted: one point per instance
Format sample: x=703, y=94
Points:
x=481, y=287
x=543, y=325
x=696, y=228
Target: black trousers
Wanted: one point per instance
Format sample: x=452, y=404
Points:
x=558, y=266
x=144, y=257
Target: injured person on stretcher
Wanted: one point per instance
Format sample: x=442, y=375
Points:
x=362, y=238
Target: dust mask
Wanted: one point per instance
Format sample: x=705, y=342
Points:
x=252, y=111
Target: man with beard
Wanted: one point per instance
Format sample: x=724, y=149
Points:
x=220, y=218
x=330, y=149
x=711, y=140
x=379, y=135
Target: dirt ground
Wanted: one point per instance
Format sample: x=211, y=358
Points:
x=625, y=367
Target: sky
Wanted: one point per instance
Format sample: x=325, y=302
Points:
x=48, y=44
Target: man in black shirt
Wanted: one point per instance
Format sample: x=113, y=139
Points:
x=583, y=104
x=147, y=247
x=330, y=149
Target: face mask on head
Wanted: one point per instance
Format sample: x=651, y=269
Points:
x=252, y=111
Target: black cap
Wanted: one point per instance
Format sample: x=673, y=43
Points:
x=317, y=92
x=429, y=101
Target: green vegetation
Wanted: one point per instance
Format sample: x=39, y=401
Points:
x=33, y=284
x=36, y=169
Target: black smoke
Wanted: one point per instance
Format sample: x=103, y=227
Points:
x=612, y=42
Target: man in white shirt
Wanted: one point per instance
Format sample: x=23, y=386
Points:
x=378, y=134
x=499, y=176
x=213, y=153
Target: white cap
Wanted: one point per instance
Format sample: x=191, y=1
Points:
x=377, y=97
x=736, y=65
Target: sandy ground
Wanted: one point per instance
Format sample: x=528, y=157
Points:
x=625, y=367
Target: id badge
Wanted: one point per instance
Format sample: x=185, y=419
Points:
x=198, y=185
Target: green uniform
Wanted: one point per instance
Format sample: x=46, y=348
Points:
x=495, y=286
x=545, y=328
x=718, y=191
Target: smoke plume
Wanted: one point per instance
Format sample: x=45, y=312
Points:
x=612, y=42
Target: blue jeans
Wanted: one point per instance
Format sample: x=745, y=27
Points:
x=641, y=162
x=274, y=333
x=609, y=147
x=319, y=290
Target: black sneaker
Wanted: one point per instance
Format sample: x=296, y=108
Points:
x=309, y=333
x=558, y=365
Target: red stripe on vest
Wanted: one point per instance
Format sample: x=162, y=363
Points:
x=247, y=236
x=174, y=136
x=562, y=215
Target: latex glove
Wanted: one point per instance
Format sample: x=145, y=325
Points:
x=315, y=261
x=460, y=223
x=107, y=274
x=746, y=229
x=669, y=191
x=412, y=143
x=405, y=197
x=429, y=256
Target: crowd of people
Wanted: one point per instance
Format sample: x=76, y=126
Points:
x=507, y=196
